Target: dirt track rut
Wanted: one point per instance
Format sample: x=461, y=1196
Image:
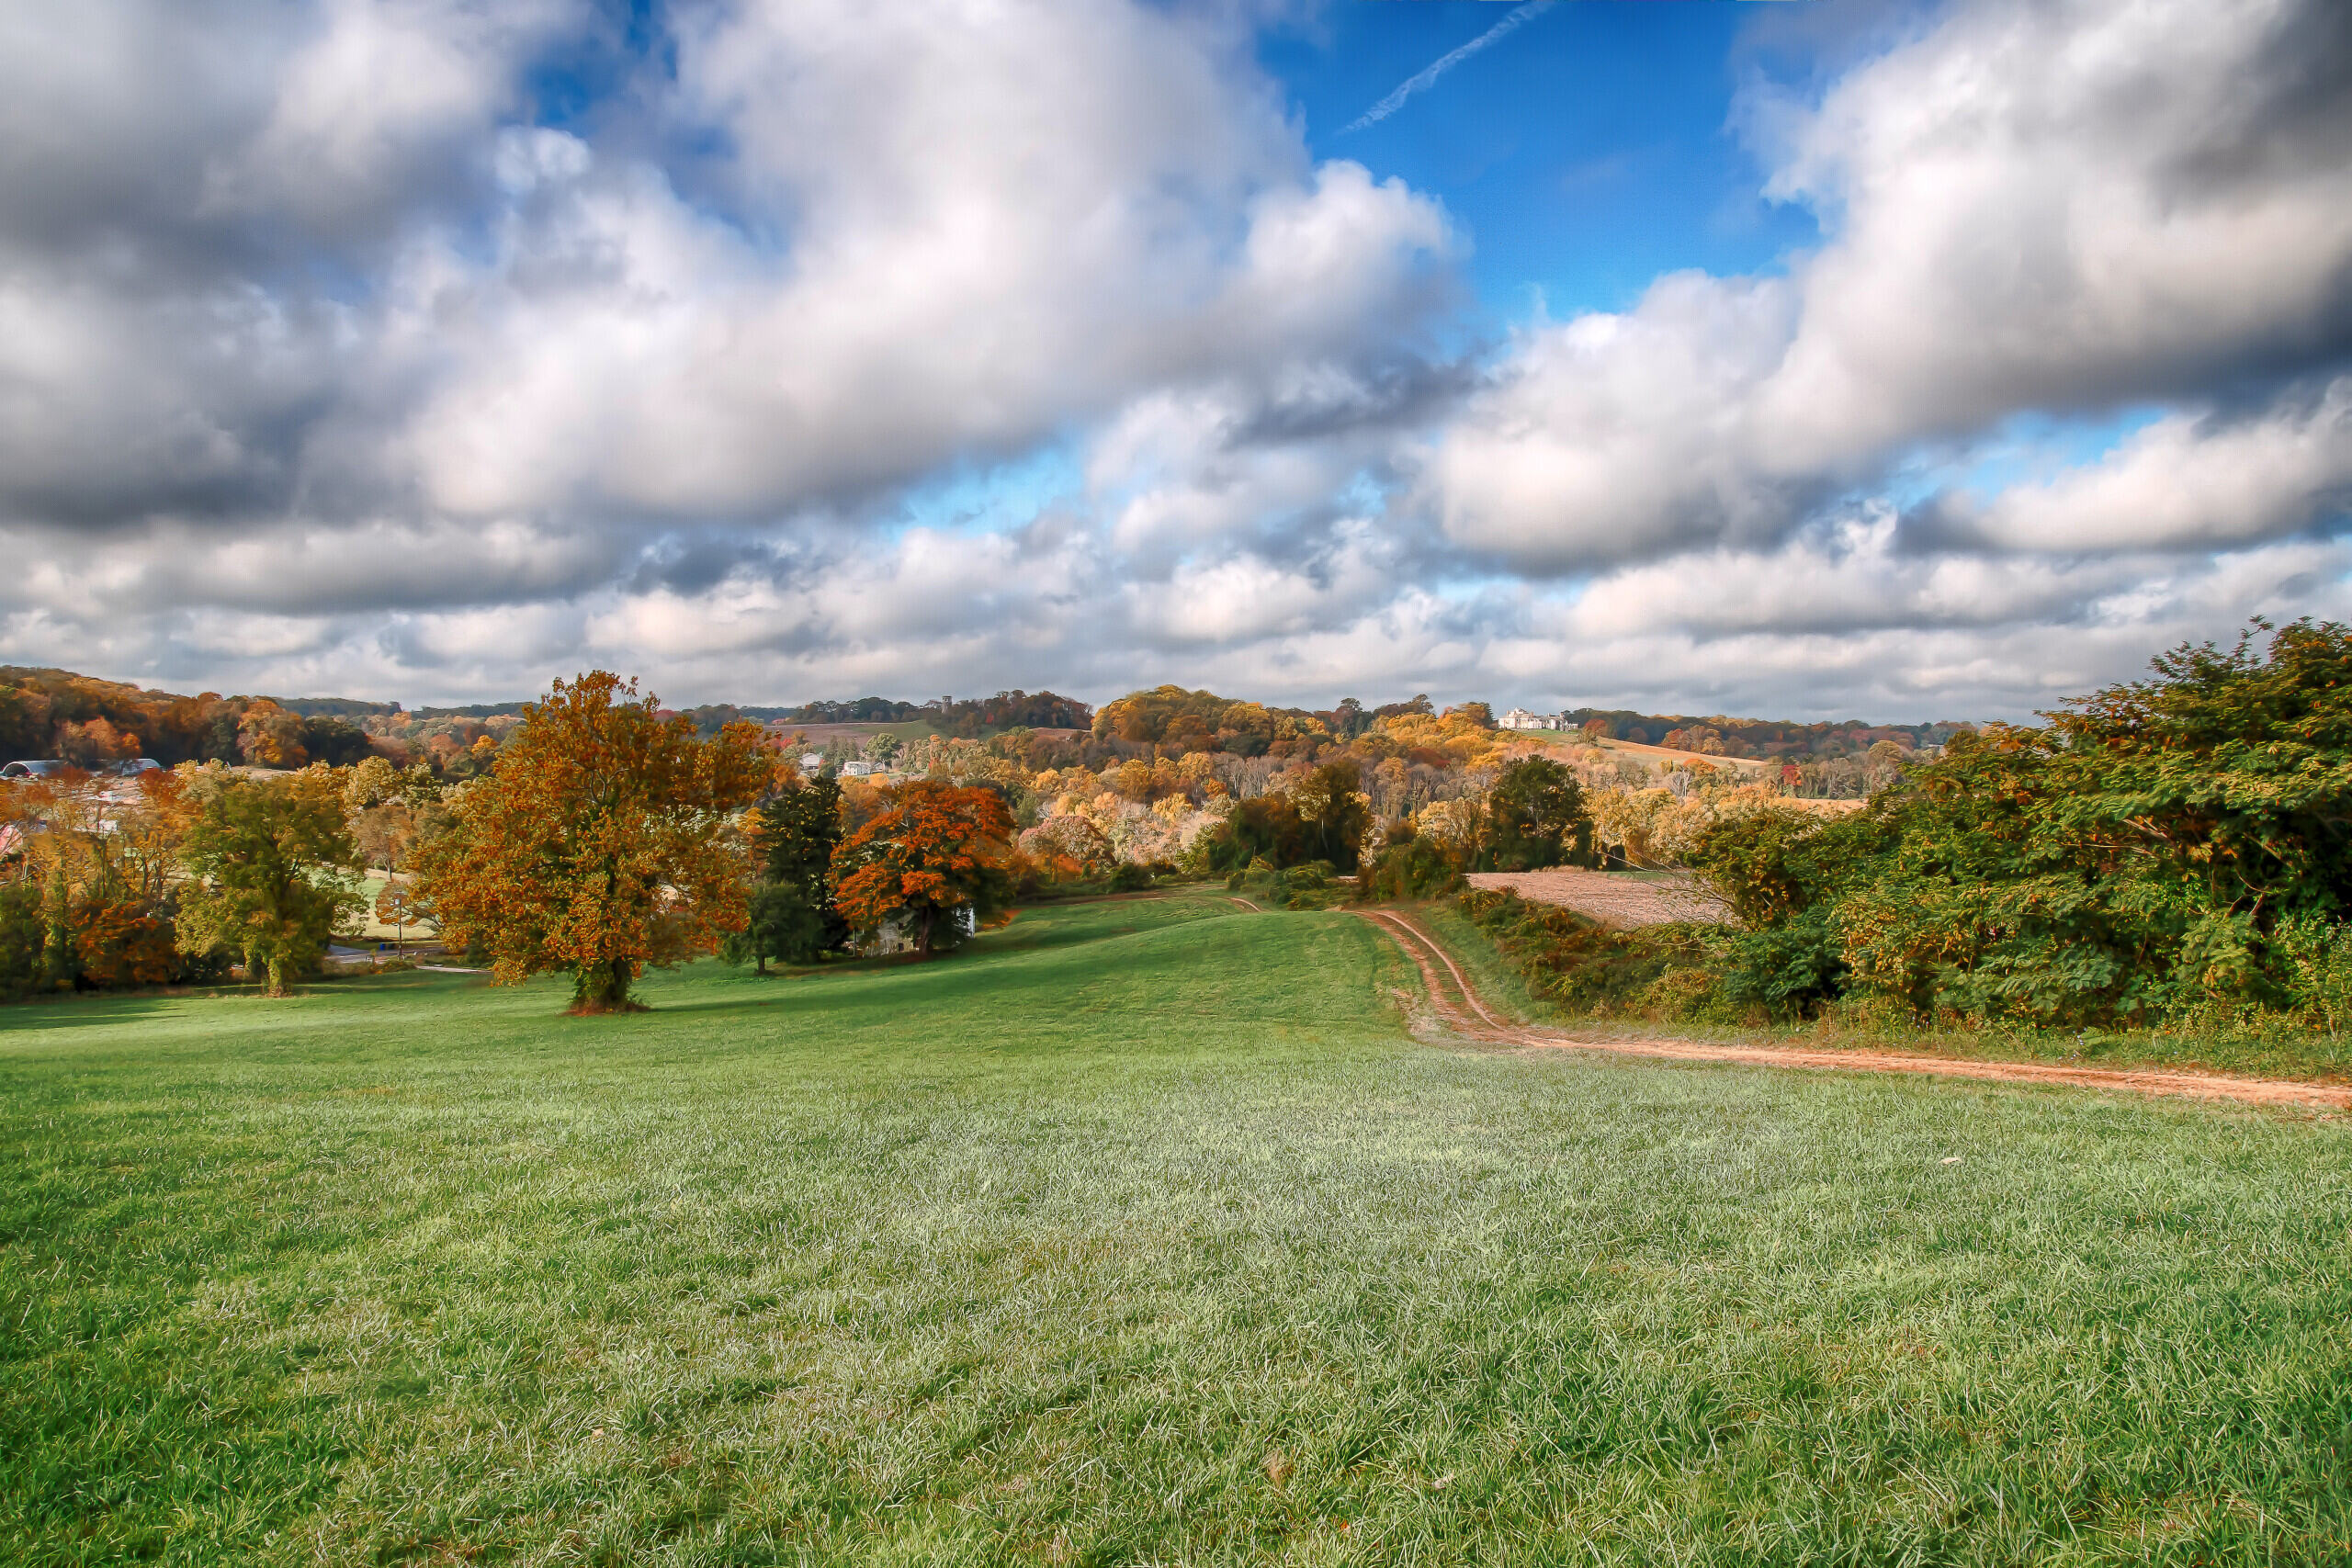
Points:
x=1458, y=1003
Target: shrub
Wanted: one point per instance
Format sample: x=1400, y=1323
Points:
x=1587, y=967
x=23, y=935
x=1419, y=867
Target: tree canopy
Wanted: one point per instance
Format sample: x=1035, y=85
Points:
x=2157, y=846
x=935, y=860
x=1535, y=818
x=272, y=871
x=602, y=841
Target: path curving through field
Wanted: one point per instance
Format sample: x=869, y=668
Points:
x=1458, y=1003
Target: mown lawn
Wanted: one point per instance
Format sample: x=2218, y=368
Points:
x=1142, y=1234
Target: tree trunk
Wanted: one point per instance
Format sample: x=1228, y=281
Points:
x=922, y=931
x=277, y=986
x=602, y=988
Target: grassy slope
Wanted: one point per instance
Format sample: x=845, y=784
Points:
x=1142, y=1234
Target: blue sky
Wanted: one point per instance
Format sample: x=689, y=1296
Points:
x=1587, y=153
x=1904, y=359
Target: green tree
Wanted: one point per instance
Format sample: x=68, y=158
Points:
x=23, y=936
x=272, y=872
x=2157, y=846
x=1535, y=818
x=782, y=924
x=1332, y=802
x=796, y=831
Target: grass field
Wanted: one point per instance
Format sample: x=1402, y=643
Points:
x=1141, y=1232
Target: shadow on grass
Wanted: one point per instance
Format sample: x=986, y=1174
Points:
x=86, y=1011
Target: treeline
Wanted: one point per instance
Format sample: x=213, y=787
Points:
x=1173, y=719
x=75, y=718
x=966, y=718
x=174, y=881
x=2172, y=851
x=1718, y=734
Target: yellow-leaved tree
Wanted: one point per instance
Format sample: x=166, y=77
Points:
x=602, y=841
x=272, y=872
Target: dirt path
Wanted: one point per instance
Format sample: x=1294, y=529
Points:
x=1457, y=1002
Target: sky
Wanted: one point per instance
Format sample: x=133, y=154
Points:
x=1900, y=361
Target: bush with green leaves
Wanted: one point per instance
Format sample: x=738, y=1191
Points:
x=1585, y=967
x=1411, y=865
x=2161, y=848
x=1535, y=818
x=24, y=936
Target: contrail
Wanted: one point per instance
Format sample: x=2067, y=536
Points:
x=1395, y=100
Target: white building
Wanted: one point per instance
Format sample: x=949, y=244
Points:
x=1520, y=719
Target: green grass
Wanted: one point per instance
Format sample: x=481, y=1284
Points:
x=1138, y=1234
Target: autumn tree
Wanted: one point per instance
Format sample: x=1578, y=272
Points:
x=269, y=737
x=934, y=859
x=271, y=871
x=601, y=840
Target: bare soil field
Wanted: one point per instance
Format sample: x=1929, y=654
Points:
x=1613, y=898
x=1755, y=766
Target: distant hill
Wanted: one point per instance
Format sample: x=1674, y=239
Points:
x=970, y=717
x=79, y=719
x=334, y=707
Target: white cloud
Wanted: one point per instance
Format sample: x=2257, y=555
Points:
x=996, y=220
x=321, y=369
x=2186, y=482
x=380, y=93
x=1617, y=436
x=2056, y=206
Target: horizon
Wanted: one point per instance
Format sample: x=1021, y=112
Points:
x=1813, y=360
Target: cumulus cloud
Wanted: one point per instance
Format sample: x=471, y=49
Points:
x=2052, y=205
x=327, y=363
x=936, y=231
x=2187, y=481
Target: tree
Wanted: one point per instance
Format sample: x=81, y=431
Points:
x=1331, y=801
x=601, y=839
x=796, y=832
x=1536, y=816
x=2161, y=846
x=269, y=737
x=271, y=868
x=936, y=859
x=780, y=922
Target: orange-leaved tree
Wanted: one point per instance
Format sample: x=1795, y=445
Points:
x=933, y=853
x=602, y=841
